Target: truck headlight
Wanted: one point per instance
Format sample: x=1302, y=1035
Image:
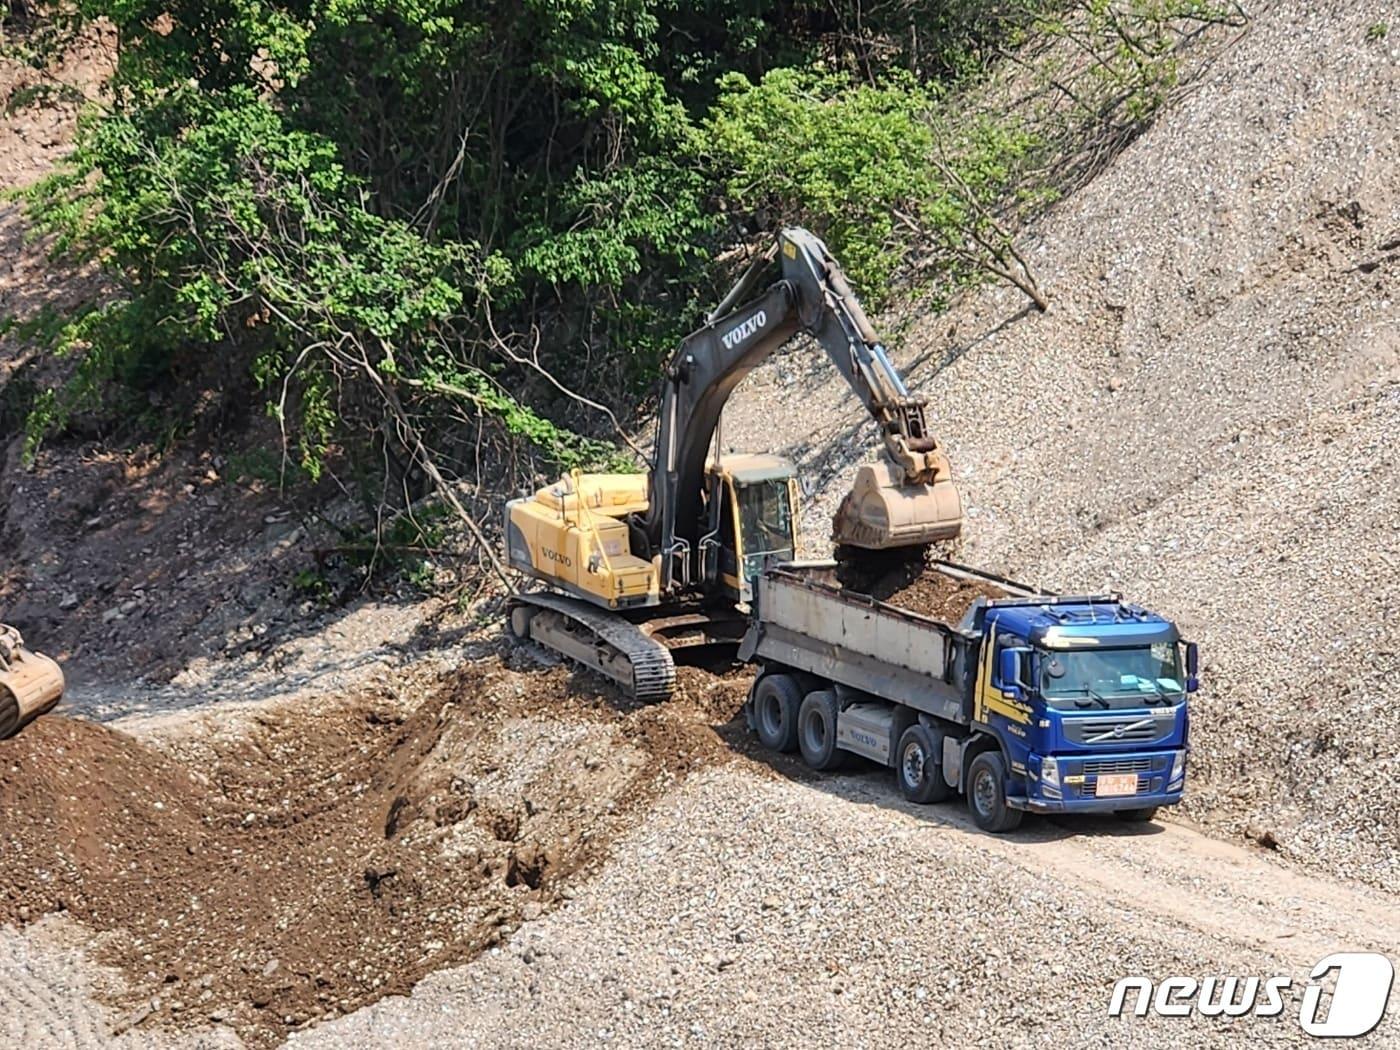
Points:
x=1178, y=767
x=1050, y=772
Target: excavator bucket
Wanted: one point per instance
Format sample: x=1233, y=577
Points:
x=30, y=684
x=881, y=511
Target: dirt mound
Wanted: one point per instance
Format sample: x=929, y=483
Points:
x=905, y=579
x=713, y=693
x=272, y=875
x=78, y=798
x=942, y=597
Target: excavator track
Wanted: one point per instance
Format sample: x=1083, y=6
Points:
x=600, y=640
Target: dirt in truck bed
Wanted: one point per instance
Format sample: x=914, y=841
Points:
x=303, y=863
x=905, y=579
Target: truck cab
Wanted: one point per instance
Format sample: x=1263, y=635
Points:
x=1088, y=698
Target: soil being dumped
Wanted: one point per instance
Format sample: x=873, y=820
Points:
x=272, y=875
x=907, y=580
x=939, y=596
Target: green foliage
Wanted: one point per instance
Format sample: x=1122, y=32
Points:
x=313, y=584
x=38, y=95
x=876, y=167
x=824, y=151
x=387, y=222
x=1133, y=66
x=1378, y=31
x=402, y=549
x=262, y=465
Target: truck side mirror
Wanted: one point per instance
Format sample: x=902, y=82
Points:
x=1009, y=671
x=1193, y=667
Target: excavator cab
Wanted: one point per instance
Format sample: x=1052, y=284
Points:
x=751, y=507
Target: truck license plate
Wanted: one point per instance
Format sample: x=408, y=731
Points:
x=1117, y=784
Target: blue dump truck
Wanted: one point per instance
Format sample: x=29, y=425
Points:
x=1032, y=702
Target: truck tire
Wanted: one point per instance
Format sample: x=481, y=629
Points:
x=776, y=700
x=1136, y=816
x=986, y=794
x=816, y=730
x=918, y=765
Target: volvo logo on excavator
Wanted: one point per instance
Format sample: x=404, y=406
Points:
x=742, y=331
x=557, y=558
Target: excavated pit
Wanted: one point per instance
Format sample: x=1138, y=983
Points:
x=284, y=866
x=268, y=875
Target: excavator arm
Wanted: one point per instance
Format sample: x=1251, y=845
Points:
x=30, y=684
x=625, y=555
x=796, y=286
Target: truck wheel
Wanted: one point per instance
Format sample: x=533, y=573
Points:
x=918, y=766
x=1136, y=816
x=775, y=703
x=816, y=730
x=986, y=794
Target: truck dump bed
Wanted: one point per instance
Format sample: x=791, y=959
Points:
x=803, y=618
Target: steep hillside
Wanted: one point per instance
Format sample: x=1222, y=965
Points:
x=1204, y=419
x=323, y=806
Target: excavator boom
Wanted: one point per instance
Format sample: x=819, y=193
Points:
x=907, y=500
x=640, y=566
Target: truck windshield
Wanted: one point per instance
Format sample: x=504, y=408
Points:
x=1112, y=678
x=765, y=523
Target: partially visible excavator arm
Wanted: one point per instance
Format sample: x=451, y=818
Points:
x=908, y=500
x=30, y=684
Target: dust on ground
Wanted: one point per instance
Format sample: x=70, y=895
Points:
x=269, y=875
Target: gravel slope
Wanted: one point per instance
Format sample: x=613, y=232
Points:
x=754, y=911
x=1205, y=419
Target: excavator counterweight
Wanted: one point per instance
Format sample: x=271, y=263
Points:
x=30, y=684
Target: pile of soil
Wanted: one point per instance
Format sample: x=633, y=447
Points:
x=906, y=579
x=941, y=597
x=270, y=875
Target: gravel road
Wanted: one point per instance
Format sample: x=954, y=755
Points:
x=51, y=989
x=760, y=911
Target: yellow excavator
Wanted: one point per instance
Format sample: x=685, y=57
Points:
x=30, y=684
x=640, y=564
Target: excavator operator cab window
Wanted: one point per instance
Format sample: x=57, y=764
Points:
x=765, y=523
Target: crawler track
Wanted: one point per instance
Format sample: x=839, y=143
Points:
x=600, y=640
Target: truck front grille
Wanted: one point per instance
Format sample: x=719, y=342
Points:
x=1137, y=730
x=1145, y=786
x=1096, y=766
